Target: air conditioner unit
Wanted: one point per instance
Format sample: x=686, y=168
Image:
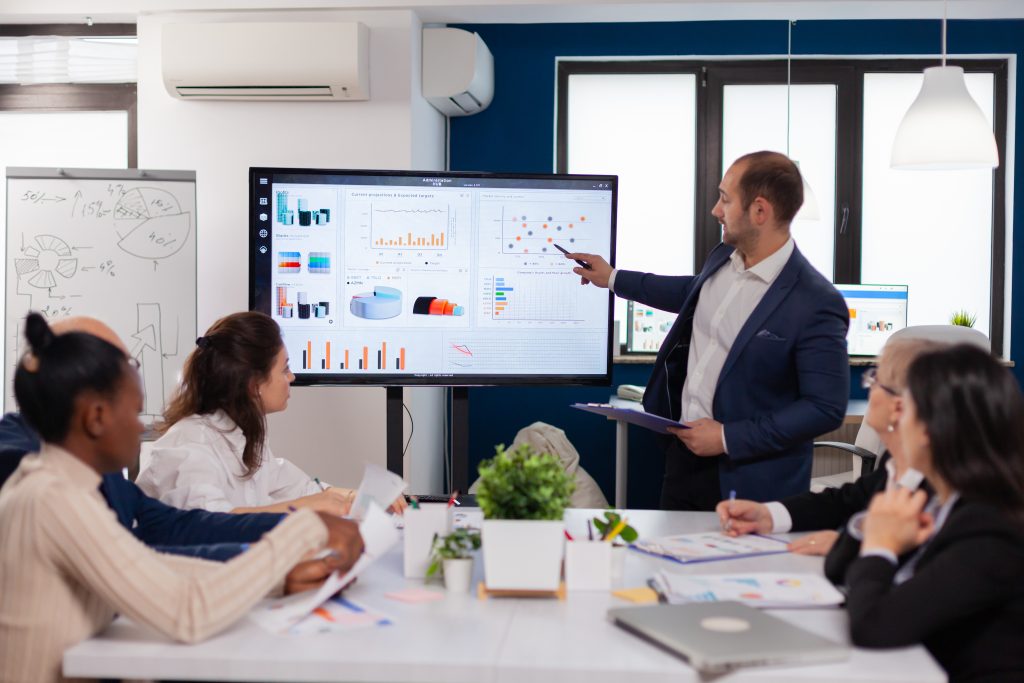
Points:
x=267, y=61
x=458, y=71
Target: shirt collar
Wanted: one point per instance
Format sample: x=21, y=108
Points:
x=223, y=423
x=769, y=268
x=64, y=462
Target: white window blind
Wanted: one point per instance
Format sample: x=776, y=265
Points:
x=60, y=59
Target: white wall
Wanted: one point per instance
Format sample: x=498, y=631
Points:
x=329, y=432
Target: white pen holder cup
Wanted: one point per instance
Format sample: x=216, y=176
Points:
x=618, y=563
x=420, y=527
x=588, y=566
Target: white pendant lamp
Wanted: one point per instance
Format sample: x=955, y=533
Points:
x=809, y=210
x=944, y=127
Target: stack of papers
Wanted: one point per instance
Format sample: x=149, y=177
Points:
x=280, y=615
x=767, y=590
x=711, y=545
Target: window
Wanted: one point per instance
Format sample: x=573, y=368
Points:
x=837, y=119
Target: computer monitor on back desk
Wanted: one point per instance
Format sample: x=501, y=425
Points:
x=876, y=311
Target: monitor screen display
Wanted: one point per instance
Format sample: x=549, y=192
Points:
x=406, y=277
x=647, y=327
x=876, y=311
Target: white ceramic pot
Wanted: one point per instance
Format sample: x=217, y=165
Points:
x=458, y=574
x=523, y=554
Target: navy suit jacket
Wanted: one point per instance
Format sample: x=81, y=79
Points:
x=210, y=535
x=786, y=379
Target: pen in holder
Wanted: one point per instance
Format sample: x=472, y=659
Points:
x=421, y=524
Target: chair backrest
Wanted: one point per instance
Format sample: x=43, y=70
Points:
x=867, y=437
x=946, y=334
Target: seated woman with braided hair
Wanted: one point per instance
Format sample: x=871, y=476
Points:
x=68, y=566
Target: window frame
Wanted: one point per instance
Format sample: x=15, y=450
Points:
x=848, y=76
x=69, y=97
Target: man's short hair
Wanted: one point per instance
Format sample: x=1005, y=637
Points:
x=775, y=177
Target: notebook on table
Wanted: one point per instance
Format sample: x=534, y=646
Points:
x=718, y=636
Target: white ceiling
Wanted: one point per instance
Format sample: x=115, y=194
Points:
x=526, y=11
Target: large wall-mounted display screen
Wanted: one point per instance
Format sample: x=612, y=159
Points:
x=405, y=277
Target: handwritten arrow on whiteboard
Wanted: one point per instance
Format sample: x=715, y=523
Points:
x=144, y=337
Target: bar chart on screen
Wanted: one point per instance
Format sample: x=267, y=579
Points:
x=404, y=226
x=535, y=296
x=334, y=356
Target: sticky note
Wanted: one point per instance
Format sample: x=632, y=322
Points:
x=642, y=595
x=413, y=595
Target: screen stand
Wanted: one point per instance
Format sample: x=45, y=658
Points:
x=395, y=430
x=460, y=439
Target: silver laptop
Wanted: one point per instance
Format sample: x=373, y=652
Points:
x=717, y=636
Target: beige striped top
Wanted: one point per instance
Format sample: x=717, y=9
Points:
x=67, y=566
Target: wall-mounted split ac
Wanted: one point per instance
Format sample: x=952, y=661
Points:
x=324, y=61
x=458, y=71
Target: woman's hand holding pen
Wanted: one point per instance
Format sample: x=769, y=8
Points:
x=739, y=517
x=598, y=273
x=332, y=500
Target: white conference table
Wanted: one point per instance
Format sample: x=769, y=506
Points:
x=462, y=638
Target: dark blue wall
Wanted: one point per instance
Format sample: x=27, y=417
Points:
x=516, y=134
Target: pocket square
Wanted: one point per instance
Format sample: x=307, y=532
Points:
x=769, y=336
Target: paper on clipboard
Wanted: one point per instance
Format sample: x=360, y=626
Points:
x=710, y=546
x=278, y=615
x=640, y=418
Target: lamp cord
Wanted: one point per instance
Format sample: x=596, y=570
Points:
x=945, y=10
x=789, y=75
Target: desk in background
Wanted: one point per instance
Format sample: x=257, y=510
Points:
x=463, y=639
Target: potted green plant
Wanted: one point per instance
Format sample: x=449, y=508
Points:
x=451, y=554
x=963, y=318
x=523, y=495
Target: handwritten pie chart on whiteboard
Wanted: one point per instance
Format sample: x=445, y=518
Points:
x=150, y=223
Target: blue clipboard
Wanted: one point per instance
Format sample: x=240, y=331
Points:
x=655, y=423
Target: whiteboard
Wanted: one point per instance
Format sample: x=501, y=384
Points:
x=118, y=245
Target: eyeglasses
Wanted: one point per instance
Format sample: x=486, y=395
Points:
x=870, y=379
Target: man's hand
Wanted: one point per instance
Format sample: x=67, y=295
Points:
x=740, y=517
x=343, y=539
x=598, y=273
x=310, y=574
x=703, y=438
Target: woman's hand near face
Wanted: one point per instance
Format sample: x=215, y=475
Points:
x=896, y=521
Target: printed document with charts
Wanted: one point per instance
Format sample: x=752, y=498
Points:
x=709, y=546
x=758, y=589
x=279, y=615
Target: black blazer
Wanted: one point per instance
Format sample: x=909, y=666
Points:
x=833, y=507
x=965, y=601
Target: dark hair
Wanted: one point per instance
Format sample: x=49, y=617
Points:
x=972, y=409
x=775, y=177
x=237, y=352
x=58, y=369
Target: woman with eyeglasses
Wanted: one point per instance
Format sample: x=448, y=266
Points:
x=832, y=508
x=214, y=453
x=961, y=592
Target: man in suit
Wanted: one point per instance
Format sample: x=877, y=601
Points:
x=756, y=362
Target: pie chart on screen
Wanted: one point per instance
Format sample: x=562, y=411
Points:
x=380, y=304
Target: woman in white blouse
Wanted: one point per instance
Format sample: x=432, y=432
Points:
x=214, y=453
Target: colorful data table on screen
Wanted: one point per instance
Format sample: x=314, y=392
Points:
x=380, y=304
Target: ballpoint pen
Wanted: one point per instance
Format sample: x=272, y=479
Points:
x=728, y=522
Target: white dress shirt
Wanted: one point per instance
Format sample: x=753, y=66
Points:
x=725, y=302
x=198, y=464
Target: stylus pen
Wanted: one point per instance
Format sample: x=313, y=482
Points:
x=582, y=263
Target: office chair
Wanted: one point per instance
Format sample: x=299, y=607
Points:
x=867, y=446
